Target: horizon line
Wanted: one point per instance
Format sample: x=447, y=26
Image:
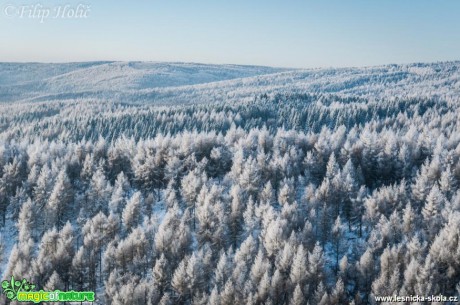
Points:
x=228, y=64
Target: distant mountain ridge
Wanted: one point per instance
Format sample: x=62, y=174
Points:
x=27, y=81
x=190, y=82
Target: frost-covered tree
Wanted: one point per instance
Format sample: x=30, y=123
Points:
x=132, y=212
x=59, y=203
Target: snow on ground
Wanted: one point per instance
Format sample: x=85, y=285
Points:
x=175, y=83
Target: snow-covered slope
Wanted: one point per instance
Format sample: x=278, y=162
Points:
x=404, y=81
x=31, y=80
x=168, y=83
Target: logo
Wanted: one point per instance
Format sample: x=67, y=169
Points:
x=23, y=291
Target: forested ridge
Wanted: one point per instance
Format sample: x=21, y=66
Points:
x=284, y=197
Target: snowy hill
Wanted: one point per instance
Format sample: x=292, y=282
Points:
x=32, y=80
x=403, y=81
x=168, y=83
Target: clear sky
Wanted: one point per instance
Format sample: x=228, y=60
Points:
x=289, y=33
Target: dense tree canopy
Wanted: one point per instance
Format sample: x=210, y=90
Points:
x=290, y=198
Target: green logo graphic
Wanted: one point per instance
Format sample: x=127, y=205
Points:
x=23, y=291
x=12, y=288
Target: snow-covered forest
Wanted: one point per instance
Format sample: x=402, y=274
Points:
x=194, y=184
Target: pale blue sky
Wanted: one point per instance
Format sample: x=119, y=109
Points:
x=296, y=33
